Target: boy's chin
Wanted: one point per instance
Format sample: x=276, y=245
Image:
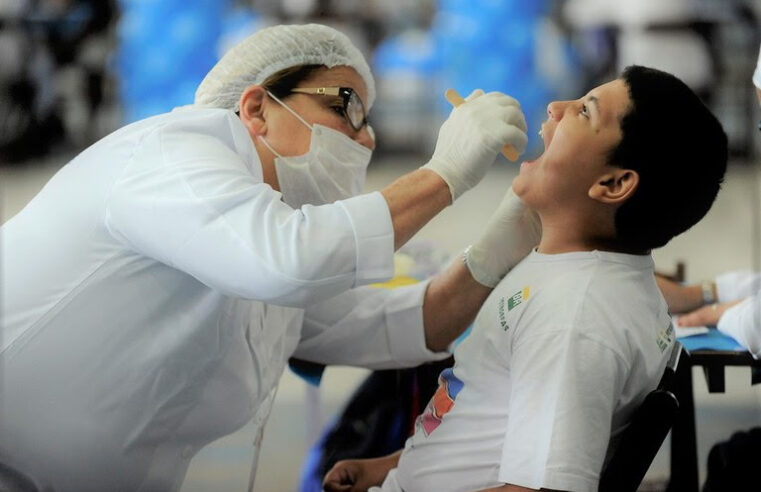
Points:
x=521, y=190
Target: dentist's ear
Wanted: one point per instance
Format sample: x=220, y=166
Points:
x=252, y=103
x=615, y=187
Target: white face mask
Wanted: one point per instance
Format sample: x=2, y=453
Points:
x=334, y=168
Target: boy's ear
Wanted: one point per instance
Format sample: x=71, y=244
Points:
x=615, y=187
x=252, y=103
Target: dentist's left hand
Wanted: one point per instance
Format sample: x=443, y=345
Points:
x=511, y=233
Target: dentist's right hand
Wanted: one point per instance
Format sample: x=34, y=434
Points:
x=473, y=135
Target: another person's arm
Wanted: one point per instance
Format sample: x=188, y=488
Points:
x=682, y=298
x=726, y=291
x=707, y=315
x=737, y=312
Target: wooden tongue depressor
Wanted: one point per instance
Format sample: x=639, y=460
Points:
x=456, y=99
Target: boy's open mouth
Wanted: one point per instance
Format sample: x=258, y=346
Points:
x=546, y=135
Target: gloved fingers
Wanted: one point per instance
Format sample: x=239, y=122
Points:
x=514, y=116
x=490, y=106
x=491, y=101
x=473, y=95
x=502, y=99
x=496, y=105
x=472, y=136
x=504, y=134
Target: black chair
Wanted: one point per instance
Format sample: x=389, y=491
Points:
x=645, y=434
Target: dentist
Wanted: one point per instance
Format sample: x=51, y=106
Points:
x=154, y=289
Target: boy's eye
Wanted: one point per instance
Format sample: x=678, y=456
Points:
x=338, y=109
x=584, y=110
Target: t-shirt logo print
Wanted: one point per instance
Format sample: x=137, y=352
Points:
x=665, y=337
x=442, y=401
x=513, y=301
x=518, y=298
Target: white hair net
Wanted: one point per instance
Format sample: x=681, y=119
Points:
x=273, y=49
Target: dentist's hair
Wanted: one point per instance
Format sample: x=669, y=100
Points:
x=678, y=148
x=272, y=50
x=283, y=82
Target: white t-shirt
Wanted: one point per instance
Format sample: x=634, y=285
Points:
x=561, y=353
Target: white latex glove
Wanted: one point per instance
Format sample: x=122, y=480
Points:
x=512, y=231
x=473, y=135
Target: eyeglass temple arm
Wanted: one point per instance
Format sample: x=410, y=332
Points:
x=328, y=91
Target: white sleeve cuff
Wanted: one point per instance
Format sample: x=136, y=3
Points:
x=757, y=73
x=743, y=323
x=374, y=236
x=736, y=285
x=405, y=327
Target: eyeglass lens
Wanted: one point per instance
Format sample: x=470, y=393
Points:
x=355, y=111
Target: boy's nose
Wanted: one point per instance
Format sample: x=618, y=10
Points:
x=555, y=110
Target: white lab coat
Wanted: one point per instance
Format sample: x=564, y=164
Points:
x=742, y=321
x=154, y=290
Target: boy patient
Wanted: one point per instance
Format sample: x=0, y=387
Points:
x=568, y=345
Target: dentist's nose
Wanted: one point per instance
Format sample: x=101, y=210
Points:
x=366, y=137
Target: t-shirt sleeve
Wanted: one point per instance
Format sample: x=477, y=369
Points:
x=189, y=201
x=564, y=390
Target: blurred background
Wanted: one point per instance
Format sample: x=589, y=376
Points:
x=72, y=71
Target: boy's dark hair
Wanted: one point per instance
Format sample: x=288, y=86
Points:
x=679, y=150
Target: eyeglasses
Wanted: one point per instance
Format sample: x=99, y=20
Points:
x=353, y=109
